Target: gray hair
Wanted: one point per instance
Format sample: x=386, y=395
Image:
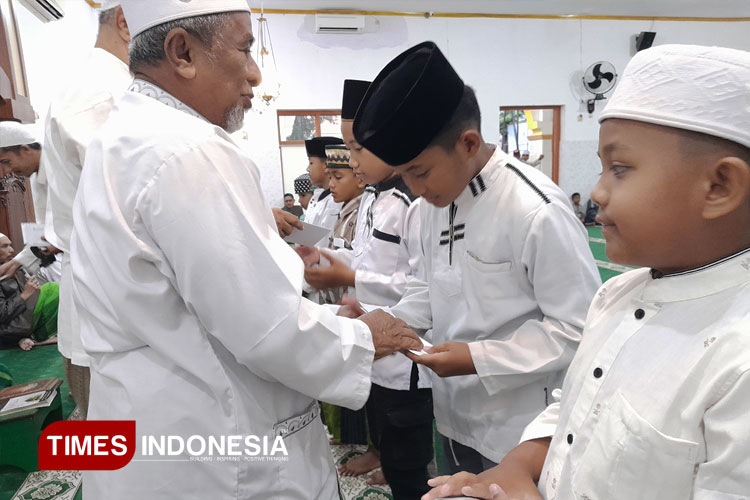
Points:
x=107, y=16
x=147, y=48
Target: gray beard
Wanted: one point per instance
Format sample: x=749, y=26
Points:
x=234, y=119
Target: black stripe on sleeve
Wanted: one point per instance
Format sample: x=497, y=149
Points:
x=386, y=237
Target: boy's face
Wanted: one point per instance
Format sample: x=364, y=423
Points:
x=343, y=184
x=436, y=175
x=649, y=193
x=317, y=170
x=6, y=250
x=576, y=199
x=304, y=200
x=288, y=201
x=23, y=162
x=366, y=166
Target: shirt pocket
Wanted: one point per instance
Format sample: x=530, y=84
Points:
x=628, y=458
x=490, y=280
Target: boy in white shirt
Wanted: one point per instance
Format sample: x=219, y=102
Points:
x=508, y=268
x=655, y=404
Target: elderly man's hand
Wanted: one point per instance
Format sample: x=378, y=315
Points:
x=286, y=222
x=390, y=334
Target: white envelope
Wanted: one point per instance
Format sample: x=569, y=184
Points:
x=309, y=235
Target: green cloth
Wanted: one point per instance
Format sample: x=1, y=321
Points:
x=44, y=323
x=6, y=379
x=332, y=419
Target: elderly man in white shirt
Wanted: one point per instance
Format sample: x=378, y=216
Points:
x=75, y=115
x=183, y=343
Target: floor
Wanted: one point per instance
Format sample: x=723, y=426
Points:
x=43, y=362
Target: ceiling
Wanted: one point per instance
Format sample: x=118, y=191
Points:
x=651, y=8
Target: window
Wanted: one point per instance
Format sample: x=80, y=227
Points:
x=295, y=127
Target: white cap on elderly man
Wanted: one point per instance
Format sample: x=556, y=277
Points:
x=144, y=14
x=108, y=4
x=690, y=87
x=13, y=133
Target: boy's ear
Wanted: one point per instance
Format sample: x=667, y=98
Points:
x=469, y=142
x=729, y=181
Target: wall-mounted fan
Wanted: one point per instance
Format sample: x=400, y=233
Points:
x=599, y=79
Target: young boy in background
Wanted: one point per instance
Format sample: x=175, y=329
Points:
x=347, y=189
x=655, y=404
x=386, y=254
x=303, y=189
x=509, y=271
x=322, y=210
x=347, y=426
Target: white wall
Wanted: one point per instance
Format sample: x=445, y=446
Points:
x=508, y=62
x=51, y=50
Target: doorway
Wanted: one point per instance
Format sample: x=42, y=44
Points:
x=532, y=134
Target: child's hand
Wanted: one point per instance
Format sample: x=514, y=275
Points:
x=517, y=485
x=350, y=308
x=447, y=360
x=464, y=483
x=309, y=255
x=337, y=274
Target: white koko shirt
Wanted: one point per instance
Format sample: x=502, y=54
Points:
x=185, y=343
x=509, y=271
x=656, y=404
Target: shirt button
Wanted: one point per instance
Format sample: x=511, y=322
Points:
x=598, y=372
x=639, y=313
x=570, y=438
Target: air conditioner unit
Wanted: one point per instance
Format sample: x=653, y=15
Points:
x=339, y=23
x=45, y=10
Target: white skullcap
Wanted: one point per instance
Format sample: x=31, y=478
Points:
x=108, y=4
x=13, y=133
x=144, y=14
x=703, y=89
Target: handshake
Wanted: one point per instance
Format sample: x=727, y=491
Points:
x=389, y=334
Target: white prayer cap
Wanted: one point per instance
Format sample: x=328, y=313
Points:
x=144, y=14
x=703, y=89
x=13, y=133
x=108, y=4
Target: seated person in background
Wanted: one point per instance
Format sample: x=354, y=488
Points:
x=591, y=210
x=304, y=189
x=290, y=207
x=28, y=311
x=577, y=208
x=655, y=404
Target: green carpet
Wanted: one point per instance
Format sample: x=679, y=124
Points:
x=25, y=366
x=597, y=245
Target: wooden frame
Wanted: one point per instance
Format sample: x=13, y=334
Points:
x=14, y=105
x=556, y=132
x=317, y=113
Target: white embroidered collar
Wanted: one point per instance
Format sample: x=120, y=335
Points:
x=149, y=89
